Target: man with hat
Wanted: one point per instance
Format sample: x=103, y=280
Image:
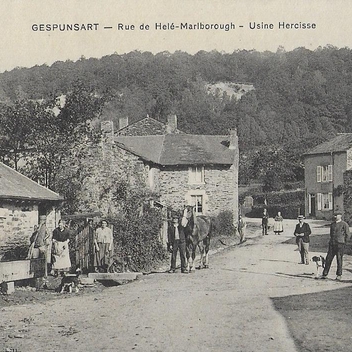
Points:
x=177, y=241
x=339, y=236
x=302, y=232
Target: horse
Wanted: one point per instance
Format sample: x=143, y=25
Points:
x=197, y=231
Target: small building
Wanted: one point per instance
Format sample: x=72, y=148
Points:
x=325, y=165
x=22, y=201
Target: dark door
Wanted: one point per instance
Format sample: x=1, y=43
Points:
x=312, y=205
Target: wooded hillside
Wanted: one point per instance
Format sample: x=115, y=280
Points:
x=300, y=98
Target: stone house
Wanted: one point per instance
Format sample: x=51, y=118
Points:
x=201, y=170
x=178, y=168
x=325, y=165
x=22, y=201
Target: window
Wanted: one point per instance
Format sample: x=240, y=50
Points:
x=324, y=173
x=324, y=201
x=196, y=174
x=197, y=201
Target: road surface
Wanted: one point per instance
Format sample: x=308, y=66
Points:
x=227, y=307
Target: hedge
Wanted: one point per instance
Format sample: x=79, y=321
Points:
x=347, y=196
x=290, y=203
x=138, y=236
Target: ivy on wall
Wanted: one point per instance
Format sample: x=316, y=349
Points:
x=347, y=195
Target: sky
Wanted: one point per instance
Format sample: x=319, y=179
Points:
x=23, y=44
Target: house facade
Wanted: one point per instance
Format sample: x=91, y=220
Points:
x=324, y=168
x=178, y=168
x=22, y=201
x=200, y=170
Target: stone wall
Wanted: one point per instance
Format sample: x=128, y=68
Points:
x=106, y=165
x=17, y=222
x=219, y=189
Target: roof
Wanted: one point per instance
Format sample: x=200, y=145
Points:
x=14, y=185
x=179, y=149
x=144, y=127
x=339, y=143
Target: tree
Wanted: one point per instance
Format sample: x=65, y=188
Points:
x=16, y=126
x=59, y=135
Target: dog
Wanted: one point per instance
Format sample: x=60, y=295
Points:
x=70, y=282
x=120, y=265
x=320, y=263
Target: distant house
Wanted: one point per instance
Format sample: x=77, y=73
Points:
x=147, y=126
x=324, y=168
x=22, y=201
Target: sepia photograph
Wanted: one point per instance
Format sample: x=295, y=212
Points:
x=176, y=176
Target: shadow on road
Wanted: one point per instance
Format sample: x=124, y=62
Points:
x=319, y=321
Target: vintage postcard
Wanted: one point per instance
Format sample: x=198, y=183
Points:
x=175, y=175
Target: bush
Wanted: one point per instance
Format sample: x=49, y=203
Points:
x=290, y=203
x=287, y=211
x=347, y=196
x=139, y=237
x=223, y=224
x=137, y=228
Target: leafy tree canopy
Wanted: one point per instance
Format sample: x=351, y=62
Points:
x=300, y=99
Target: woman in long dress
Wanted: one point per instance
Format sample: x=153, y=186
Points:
x=60, y=250
x=278, y=224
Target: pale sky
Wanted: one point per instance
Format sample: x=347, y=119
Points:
x=21, y=46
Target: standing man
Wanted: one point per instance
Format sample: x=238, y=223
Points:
x=103, y=246
x=42, y=242
x=265, y=222
x=241, y=227
x=177, y=242
x=302, y=232
x=339, y=235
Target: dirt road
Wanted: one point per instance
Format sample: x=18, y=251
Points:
x=227, y=307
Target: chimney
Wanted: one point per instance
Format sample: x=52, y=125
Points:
x=107, y=129
x=171, y=124
x=123, y=122
x=233, y=139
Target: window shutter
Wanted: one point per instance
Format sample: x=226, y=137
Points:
x=319, y=200
x=329, y=172
x=318, y=173
x=330, y=201
x=309, y=203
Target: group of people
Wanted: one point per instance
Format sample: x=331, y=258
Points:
x=56, y=251
x=53, y=247
x=339, y=237
x=278, y=223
